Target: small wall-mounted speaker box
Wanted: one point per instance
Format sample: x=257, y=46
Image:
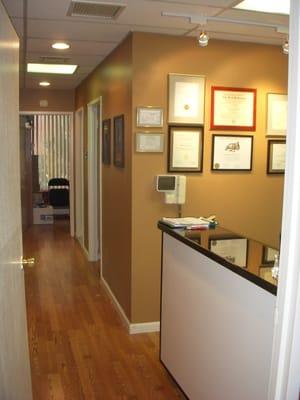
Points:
x=43, y=103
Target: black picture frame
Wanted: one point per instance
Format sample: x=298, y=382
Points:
x=268, y=256
x=119, y=141
x=106, y=141
x=173, y=129
x=215, y=166
x=270, y=168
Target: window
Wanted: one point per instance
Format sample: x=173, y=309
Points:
x=51, y=138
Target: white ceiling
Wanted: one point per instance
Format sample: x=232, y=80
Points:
x=92, y=39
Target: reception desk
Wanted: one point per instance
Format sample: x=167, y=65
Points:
x=217, y=313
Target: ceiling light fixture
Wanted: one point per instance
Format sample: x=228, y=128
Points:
x=44, y=84
x=60, y=46
x=267, y=6
x=285, y=47
x=203, y=39
x=66, y=69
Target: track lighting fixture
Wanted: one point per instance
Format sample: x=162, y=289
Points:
x=285, y=47
x=203, y=39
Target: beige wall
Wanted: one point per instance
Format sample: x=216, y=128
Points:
x=248, y=203
x=58, y=100
x=112, y=80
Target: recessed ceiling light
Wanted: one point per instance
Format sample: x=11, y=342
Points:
x=66, y=69
x=60, y=46
x=44, y=83
x=268, y=6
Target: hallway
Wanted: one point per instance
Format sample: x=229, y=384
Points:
x=78, y=346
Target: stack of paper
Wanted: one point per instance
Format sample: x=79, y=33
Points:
x=187, y=221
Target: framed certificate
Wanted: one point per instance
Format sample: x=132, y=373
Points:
x=268, y=256
x=233, y=109
x=149, y=142
x=277, y=106
x=186, y=99
x=232, y=249
x=276, y=157
x=185, y=149
x=232, y=153
x=149, y=117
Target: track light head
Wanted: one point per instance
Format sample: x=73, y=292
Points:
x=203, y=39
x=285, y=47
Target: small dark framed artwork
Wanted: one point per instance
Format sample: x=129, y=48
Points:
x=185, y=151
x=232, y=153
x=119, y=141
x=106, y=142
x=276, y=157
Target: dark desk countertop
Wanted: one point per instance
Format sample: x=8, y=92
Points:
x=246, y=257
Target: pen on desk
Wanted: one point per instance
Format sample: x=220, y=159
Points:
x=197, y=227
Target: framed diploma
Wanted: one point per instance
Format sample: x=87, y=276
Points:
x=233, y=109
x=185, y=149
x=232, y=249
x=232, y=153
x=277, y=106
x=186, y=99
x=276, y=157
x=149, y=117
x=149, y=142
x=106, y=142
x=268, y=256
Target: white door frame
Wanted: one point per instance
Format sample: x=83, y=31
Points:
x=285, y=370
x=71, y=160
x=79, y=176
x=93, y=168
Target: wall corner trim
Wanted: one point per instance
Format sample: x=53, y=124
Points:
x=132, y=329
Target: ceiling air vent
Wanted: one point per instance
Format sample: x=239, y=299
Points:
x=54, y=60
x=96, y=9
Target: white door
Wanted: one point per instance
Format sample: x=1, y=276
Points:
x=93, y=174
x=15, y=381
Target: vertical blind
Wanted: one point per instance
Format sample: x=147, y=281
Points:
x=51, y=138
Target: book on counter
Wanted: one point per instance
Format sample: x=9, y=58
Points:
x=189, y=222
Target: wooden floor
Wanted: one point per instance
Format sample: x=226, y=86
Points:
x=78, y=346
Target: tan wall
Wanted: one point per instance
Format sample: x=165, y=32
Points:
x=248, y=203
x=58, y=100
x=112, y=80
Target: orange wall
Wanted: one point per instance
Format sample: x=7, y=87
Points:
x=248, y=203
x=58, y=100
x=112, y=81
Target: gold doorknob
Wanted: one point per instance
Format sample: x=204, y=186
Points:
x=28, y=261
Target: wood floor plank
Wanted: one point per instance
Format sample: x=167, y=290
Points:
x=79, y=348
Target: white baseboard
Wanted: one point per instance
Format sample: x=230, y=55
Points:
x=117, y=305
x=145, y=327
x=132, y=329
x=80, y=241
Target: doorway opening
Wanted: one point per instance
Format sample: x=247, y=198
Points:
x=79, y=177
x=48, y=145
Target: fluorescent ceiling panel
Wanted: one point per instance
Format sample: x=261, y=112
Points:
x=66, y=69
x=268, y=6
